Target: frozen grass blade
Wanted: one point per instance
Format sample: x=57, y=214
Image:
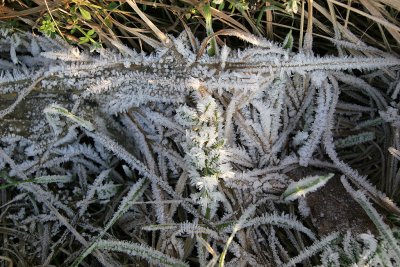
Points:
x=311, y=250
x=384, y=229
x=151, y=255
x=249, y=212
x=38, y=180
x=353, y=140
x=137, y=250
x=133, y=195
x=55, y=109
x=53, y=179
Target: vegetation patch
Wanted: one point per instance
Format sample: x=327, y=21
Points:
x=199, y=133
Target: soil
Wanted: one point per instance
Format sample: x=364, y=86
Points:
x=333, y=209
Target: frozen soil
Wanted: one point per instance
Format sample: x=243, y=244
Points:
x=333, y=209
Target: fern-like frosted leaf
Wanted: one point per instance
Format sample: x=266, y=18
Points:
x=304, y=186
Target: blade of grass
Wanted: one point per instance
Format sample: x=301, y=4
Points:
x=163, y=38
x=382, y=21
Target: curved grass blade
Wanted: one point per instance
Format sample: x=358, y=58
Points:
x=56, y=109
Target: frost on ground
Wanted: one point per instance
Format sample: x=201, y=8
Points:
x=179, y=158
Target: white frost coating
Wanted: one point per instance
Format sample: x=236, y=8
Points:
x=204, y=140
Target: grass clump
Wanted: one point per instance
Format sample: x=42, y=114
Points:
x=185, y=128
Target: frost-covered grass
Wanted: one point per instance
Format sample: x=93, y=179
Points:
x=189, y=156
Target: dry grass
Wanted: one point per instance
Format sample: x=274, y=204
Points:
x=143, y=24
